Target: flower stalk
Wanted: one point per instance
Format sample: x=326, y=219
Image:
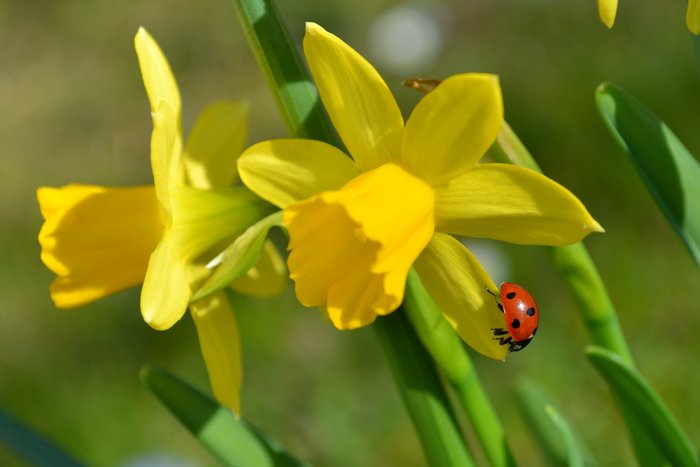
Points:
x=449, y=354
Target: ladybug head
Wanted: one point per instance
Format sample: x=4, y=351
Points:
x=519, y=345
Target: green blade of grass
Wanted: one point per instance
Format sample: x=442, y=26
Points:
x=233, y=441
x=669, y=170
x=559, y=442
x=574, y=456
x=448, y=352
x=644, y=407
x=31, y=446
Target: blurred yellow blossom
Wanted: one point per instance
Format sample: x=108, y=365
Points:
x=101, y=240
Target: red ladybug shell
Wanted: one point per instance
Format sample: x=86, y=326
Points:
x=520, y=311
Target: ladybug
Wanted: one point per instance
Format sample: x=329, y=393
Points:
x=521, y=314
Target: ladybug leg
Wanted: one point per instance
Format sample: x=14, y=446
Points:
x=495, y=297
x=507, y=340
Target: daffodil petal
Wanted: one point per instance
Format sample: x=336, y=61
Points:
x=166, y=146
x=285, y=171
x=607, y=9
x=166, y=287
x=158, y=79
x=97, y=240
x=214, y=144
x=358, y=101
x=513, y=204
x=221, y=348
x=458, y=284
x=452, y=127
x=692, y=17
x=267, y=278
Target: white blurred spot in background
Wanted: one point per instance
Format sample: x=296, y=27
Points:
x=407, y=39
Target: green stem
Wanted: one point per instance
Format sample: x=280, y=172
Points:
x=287, y=77
x=449, y=353
x=422, y=392
x=574, y=264
x=297, y=97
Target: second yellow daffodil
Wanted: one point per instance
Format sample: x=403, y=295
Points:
x=100, y=240
x=356, y=226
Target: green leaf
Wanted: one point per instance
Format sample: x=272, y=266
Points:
x=574, y=457
x=668, y=169
x=422, y=392
x=644, y=407
x=31, y=446
x=233, y=441
x=559, y=442
x=240, y=256
x=448, y=352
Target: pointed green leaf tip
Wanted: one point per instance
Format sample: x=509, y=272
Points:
x=231, y=440
x=561, y=444
x=645, y=408
x=240, y=256
x=669, y=170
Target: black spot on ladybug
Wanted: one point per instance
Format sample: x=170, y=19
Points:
x=530, y=311
x=515, y=323
x=510, y=295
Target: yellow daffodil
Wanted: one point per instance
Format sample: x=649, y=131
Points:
x=356, y=226
x=607, y=9
x=102, y=240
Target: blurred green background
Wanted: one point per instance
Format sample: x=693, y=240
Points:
x=74, y=110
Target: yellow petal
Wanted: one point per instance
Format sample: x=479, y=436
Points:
x=157, y=77
x=513, y=204
x=458, y=285
x=214, y=144
x=288, y=170
x=166, y=147
x=357, y=99
x=351, y=249
x=221, y=348
x=97, y=240
x=692, y=17
x=166, y=288
x=452, y=127
x=607, y=9
x=267, y=278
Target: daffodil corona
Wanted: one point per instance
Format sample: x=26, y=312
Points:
x=356, y=226
x=102, y=240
